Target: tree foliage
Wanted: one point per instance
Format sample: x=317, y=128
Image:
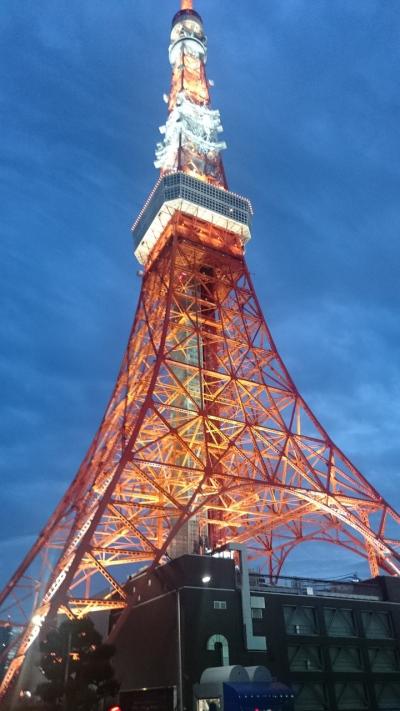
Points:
x=77, y=666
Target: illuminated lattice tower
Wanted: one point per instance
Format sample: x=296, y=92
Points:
x=206, y=439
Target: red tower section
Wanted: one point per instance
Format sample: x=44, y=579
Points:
x=206, y=439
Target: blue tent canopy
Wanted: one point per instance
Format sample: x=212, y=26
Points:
x=255, y=693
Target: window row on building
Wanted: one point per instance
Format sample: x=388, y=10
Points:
x=338, y=622
x=343, y=659
x=349, y=696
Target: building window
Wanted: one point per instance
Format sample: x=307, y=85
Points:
x=305, y=658
x=257, y=605
x=219, y=604
x=257, y=601
x=340, y=622
x=377, y=625
x=300, y=620
x=351, y=696
x=310, y=697
x=256, y=613
x=388, y=696
x=383, y=659
x=346, y=659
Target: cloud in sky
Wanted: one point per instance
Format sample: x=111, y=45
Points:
x=309, y=99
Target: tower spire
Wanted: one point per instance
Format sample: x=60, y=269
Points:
x=191, y=134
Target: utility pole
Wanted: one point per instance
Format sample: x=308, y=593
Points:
x=66, y=670
x=179, y=649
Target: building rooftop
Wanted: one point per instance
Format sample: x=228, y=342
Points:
x=360, y=589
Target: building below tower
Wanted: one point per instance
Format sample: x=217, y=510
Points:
x=5, y=636
x=334, y=644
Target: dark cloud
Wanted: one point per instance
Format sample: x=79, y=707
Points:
x=309, y=99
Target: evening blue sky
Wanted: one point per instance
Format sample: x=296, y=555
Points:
x=309, y=96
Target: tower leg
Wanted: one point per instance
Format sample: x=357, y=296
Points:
x=372, y=557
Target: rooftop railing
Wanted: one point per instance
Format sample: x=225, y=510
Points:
x=310, y=586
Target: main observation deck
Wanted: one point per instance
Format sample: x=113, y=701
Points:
x=179, y=192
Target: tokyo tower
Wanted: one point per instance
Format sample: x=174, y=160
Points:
x=206, y=440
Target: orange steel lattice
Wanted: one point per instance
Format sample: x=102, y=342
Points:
x=205, y=441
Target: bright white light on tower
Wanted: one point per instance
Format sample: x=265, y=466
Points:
x=206, y=579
